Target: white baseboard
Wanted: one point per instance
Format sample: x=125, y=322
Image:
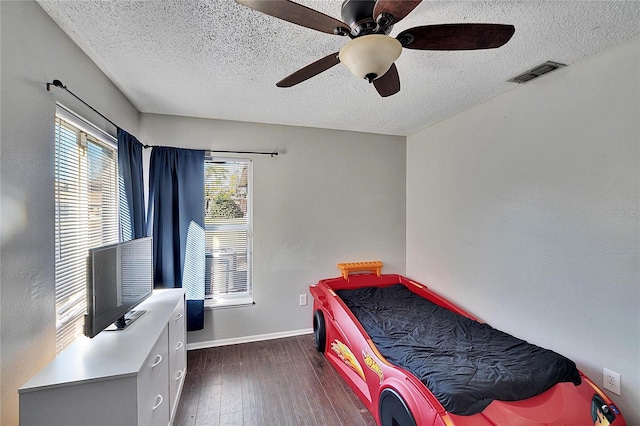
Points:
x=247, y=339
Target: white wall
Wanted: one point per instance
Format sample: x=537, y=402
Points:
x=329, y=197
x=35, y=51
x=525, y=210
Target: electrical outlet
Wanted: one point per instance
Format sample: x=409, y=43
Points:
x=303, y=300
x=611, y=381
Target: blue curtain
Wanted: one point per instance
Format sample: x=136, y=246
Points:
x=132, y=207
x=176, y=217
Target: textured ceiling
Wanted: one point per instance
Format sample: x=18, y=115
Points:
x=218, y=59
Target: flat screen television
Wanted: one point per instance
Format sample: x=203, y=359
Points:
x=119, y=277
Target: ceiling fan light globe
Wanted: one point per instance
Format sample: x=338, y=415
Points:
x=370, y=54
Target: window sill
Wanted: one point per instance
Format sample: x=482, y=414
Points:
x=229, y=302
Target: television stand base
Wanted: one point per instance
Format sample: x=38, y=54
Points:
x=126, y=320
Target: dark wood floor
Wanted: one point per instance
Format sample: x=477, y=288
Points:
x=276, y=382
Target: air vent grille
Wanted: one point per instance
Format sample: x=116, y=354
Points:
x=536, y=72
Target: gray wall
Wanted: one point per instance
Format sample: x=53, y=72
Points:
x=329, y=197
x=525, y=210
x=35, y=51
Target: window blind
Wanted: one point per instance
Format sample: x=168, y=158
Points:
x=228, y=231
x=86, y=216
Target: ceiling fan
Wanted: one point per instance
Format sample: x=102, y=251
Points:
x=371, y=53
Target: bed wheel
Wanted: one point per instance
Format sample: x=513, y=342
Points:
x=319, y=331
x=393, y=410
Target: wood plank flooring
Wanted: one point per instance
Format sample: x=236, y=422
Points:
x=273, y=383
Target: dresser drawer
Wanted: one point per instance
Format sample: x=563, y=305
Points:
x=153, y=388
x=177, y=324
x=177, y=353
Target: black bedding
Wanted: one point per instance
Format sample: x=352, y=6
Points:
x=464, y=363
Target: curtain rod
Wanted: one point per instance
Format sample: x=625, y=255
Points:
x=272, y=154
x=59, y=84
x=245, y=152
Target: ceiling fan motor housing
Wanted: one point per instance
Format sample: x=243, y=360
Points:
x=358, y=14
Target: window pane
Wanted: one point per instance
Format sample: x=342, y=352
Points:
x=228, y=224
x=227, y=262
x=102, y=192
x=226, y=187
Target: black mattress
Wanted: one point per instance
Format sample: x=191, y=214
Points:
x=464, y=363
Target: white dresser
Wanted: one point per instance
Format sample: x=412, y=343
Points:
x=128, y=377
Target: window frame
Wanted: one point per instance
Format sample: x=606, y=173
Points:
x=245, y=298
x=65, y=334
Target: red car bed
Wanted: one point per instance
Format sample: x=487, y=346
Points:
x=414, y=358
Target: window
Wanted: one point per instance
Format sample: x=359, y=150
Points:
x=86, y=214
x=228, y=232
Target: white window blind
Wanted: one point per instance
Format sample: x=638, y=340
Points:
x=228, y=232
x=86, y=216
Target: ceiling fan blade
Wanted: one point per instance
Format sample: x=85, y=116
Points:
x=310, y=70
x=456, y=36
x=396, y=8
x=389, y=83
x=297, y=14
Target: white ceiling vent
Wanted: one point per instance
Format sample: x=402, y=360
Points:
x=536, y=72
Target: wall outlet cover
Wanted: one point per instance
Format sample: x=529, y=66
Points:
x=303, y=300
x=611, y=381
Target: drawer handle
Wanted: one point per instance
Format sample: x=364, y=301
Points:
x=179, y=346
x=157, y=361
x=159, y=400
x=179, y=375
x=179, y=316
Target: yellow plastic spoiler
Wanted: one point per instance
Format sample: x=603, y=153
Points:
x=374, y=267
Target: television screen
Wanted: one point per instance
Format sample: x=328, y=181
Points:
x=119, y=277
